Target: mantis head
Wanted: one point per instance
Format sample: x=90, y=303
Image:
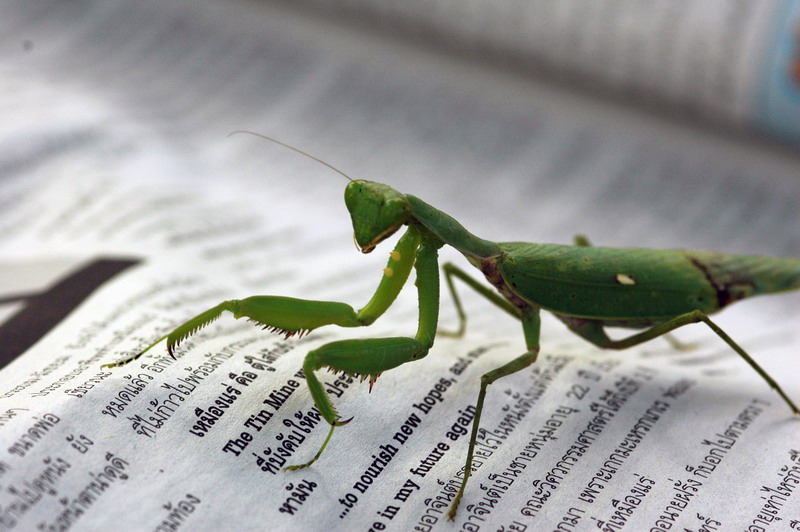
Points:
x=377, y=212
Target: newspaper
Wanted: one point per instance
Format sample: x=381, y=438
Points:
x=126, y=209
x=727, y=61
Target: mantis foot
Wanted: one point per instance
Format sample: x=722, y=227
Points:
x=319, y=453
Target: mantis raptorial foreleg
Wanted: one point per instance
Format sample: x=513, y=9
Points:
x=291, y=316
x=531, y=324
x=370, y=357
x=594, y=332
x=365, y=358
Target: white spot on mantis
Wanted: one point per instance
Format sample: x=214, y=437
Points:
x=388, y=272
x=624, y=278
x=395, y=255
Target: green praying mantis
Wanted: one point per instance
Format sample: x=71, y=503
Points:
x=587, y=288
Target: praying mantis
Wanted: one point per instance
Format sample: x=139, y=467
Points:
x=587, y=288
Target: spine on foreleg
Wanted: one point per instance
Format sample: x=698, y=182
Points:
x=198, y=322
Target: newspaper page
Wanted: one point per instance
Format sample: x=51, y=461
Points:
x=728, y=61
x=126, y=210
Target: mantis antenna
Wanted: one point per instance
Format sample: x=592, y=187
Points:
x=298, y=150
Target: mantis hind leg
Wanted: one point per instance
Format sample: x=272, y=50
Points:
x=531, y=324
x=452, y=271
x=594, y=332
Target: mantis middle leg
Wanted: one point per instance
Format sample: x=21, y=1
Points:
x=452, y=271
x=531, y=325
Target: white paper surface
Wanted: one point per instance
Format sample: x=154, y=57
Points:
x=117, y=167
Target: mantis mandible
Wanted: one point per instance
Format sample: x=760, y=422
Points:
x=587, y=288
